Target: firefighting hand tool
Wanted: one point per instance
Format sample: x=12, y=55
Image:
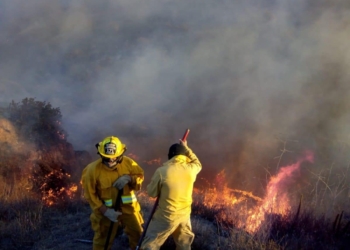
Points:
x=122, y=181
x=147, y=224
x=184, y=139
x=112, y=214
x=117, y=207
x=84, y=241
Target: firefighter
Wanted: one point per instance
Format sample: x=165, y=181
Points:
x=173, y=183
x=101, y=181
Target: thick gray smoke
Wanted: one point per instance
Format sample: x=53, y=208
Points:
x=247, y=77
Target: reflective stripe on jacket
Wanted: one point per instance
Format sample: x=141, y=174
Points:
x=97, y=180
x=127, y=199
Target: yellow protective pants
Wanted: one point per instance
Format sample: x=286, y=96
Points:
x=132, y=224
x=161, y=228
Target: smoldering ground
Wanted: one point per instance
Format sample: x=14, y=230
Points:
x=247, y=78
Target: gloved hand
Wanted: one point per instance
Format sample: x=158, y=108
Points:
x=112, y=214
x=122, y=181
x=184, y=143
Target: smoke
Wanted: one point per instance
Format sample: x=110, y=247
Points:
x=247, y=78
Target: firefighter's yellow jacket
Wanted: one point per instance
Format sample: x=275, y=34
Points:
x=97, y=181
x=174, y=182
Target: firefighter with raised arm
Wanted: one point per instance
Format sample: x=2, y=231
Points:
x=102, y=180
x=173, y=183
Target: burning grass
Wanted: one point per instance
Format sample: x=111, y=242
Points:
x=32, y=224
x=222, y=218
x=41, y=205
x=295, y=229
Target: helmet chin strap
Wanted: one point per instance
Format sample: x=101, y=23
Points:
x=108, y=163
x=111, y=164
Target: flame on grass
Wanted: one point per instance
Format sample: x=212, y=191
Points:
x=249, y=210
x=156, y=161
x=56, y=188
x=133, y=156
x=221, y=195
x=276, y=200
x=51, y=197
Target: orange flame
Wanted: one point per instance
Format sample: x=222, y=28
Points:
x=250, y=215
x=51, y=194
x=276, y=199
x=156, y=161
x=133, y=156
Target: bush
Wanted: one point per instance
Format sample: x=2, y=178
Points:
x=37, y=121
x=39, y=152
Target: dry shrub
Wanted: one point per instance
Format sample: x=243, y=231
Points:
x=36, y=154
x=35, y=171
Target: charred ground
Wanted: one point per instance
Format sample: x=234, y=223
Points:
x=42, y=207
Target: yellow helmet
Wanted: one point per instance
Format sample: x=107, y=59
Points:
x=111, y=147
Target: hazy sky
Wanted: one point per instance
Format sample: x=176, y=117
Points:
x=240, y=74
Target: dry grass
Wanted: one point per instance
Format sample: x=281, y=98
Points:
x=29, y=174
x=20, y=223
x=28, y=224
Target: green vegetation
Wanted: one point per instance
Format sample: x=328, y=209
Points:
x=37, y=122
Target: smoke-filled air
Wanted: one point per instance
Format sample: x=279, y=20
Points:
x=263, y=86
